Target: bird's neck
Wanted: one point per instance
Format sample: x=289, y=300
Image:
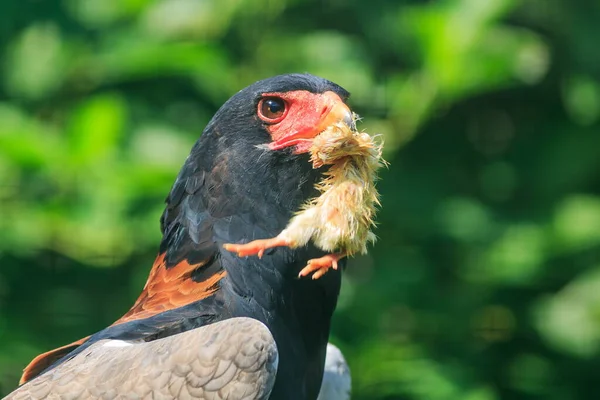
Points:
x=228, y=193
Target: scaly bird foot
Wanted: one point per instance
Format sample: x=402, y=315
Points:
x=321, y=265
x=256, y=247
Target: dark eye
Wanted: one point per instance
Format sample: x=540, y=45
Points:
x=271, y=109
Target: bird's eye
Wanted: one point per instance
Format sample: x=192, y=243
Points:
x=271, y=109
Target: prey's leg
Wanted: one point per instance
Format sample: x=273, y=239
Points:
x=321, y=265
x=256, y=247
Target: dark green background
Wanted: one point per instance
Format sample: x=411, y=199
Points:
x=485, y=283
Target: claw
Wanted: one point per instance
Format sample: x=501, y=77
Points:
x=256, y=247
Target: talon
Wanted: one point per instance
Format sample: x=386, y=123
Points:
x=256, y=247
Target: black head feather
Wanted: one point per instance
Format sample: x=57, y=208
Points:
x=238, y=114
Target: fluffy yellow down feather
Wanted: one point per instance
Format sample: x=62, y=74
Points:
x=340, y=219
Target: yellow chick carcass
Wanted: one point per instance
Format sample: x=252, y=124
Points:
x=340, y=219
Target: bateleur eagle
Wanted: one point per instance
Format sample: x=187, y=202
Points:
x=209, y=324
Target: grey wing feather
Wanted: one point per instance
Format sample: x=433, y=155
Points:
x=337, y=381
x=232, y=359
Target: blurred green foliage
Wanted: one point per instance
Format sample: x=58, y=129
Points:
x=485, y=283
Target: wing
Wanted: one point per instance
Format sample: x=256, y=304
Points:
x=232, y=359
x=188, y=268
x=44, y=360
x=166, y=289
x=337, y=382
